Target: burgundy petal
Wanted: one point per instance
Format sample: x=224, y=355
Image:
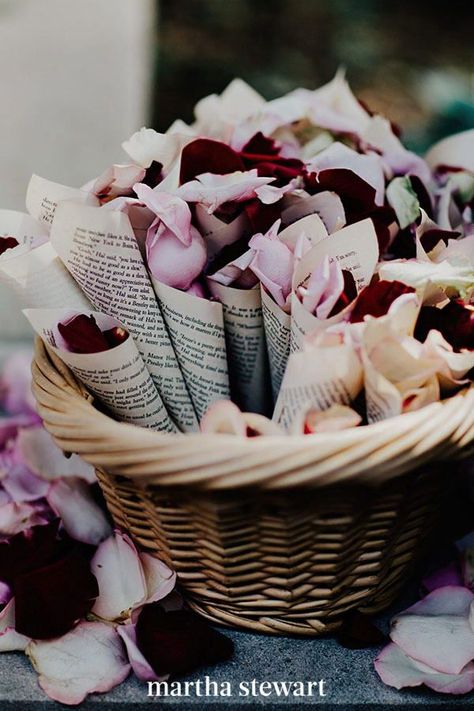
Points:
x=153, y=174
x=51, y=600
x=82, y=335
x=207, y=156
x=178, y=642
x=7, y=243
x=358, y=632
x=31, y=549
x=261, y=145
x=376, y=299
x=455, y=322
x=115, y=336
x=262, y=217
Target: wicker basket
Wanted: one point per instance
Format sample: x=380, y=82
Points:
x=275, y=534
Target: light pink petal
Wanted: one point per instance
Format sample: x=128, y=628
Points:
x=436, y=631
x=159, y=579
x=224, y=417
x=214, y=190
x=323, y=289
x=10, y=640
x=147, y=145
x=91, y=658
x=273, y=264
x=120, y=577
x=44, y=458
x=82, y=517
x=172, y=262
x=449, y=575
x=260, y=425
x=9, y=426
x=5, y=593
x=139, y=664
x=16, y=397
x=172, y=211
x=17, y=517
x=334, y=419
x=398, y=670
x=22, y=485
x=117, y=180
x=269, y=194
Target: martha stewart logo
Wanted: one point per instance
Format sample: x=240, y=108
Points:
x=253, y=688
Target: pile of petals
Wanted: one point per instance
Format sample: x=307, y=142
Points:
x=224, y=192
x=78, y=598
x=432, y=642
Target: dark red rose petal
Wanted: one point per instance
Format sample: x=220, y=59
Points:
x=36, y=547
x=115, y=336
x=83, y=335
x=153, y=175
x=261, y=145
x=178, y=642
x=455, y=322
x=7, y=243
x=376, y=299
x=261, y=216
x=358, y=197
x=358, y=632
x=207, y=156
x=49, y=601
x=348, y=295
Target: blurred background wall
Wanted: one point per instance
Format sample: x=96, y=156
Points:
x=79, y=76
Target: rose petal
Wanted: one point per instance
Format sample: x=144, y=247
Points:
x=179, y=642
x=16, y=397
x=224, y=417
x=214, y=190
x=82, y=517
x=20, y=483
x=398, y=670
x=81, y=334
x=44, y=458
x=139, y=664
x=436, y=630
x=17, y=517
x=172, y=262
x=172, y=211
x=119, y=573
x=52, y=599
x=159, y=579
x=449, y=575
x=376, y=299
x=90, y=658
x=206, y=156
x=116, y=181
x=10, y=639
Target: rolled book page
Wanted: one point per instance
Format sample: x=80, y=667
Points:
x=43, y=196
x=317, y=378
x=277, y=325
x=196, y=328
x=99, y=248
x=247, y=356
x=24, y=228
x=355, y=248
x=39, y=279
x=118, y=377
x=277, y=322
x=328, y=206
x=217, y=233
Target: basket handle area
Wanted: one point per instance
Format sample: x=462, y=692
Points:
x=370, y=454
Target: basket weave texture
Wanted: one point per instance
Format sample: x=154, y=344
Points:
x=273, y=534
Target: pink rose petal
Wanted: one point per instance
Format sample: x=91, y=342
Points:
x=214, y=190
x=44, y=458
x=172, y=262
x=172, y=211
x=398, y=670
x=17, y=517
x=82, y=517
x=15, y=385
x=436, y=631
x=119, y=573
x=10, y=640
x=91, y=658
x=159, y=579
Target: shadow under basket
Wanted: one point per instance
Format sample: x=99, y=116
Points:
x=281, y=535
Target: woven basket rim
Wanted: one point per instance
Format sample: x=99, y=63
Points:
x=371, y=454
